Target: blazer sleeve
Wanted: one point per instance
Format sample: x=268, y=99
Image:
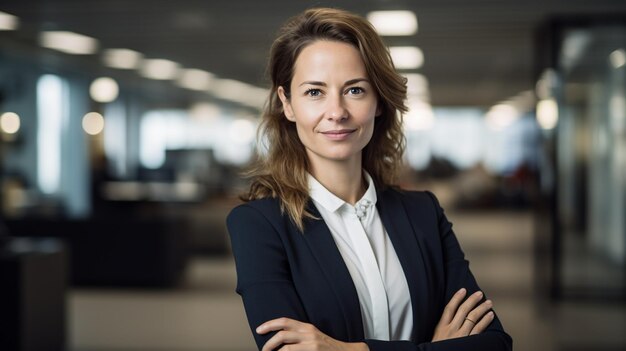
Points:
x=457, y=275
x=263, y=276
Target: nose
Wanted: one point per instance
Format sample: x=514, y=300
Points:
x=336, y=109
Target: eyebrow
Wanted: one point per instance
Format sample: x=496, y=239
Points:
x=322, y=84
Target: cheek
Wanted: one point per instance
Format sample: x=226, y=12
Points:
x=305, y=131
x=367, y=110
x=370, y=118
x=306, y=117
x=369, y=132
x=369, y=128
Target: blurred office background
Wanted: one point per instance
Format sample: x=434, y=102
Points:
x=125, y=125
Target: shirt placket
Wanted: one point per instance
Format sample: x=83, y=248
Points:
x=372, y=277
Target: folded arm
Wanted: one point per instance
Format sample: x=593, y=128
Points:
x=269, y=294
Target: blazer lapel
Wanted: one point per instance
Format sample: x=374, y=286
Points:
x=323, y=247
x=396, y=222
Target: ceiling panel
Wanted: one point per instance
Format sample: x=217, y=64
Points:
x=476, y=52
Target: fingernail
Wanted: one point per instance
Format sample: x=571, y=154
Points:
x=490, y=314
x=461, y=291
x=489, y=303
x=479, y=293
x=260, y=328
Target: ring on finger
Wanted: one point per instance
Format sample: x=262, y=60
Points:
x=467, y=319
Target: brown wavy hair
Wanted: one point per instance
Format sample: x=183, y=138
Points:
x=281, y=172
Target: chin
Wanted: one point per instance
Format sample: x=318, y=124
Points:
x=342, y=156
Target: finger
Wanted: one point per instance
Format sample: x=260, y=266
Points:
x=465, y=308
x=483, y=323
x=450, y=310
x=474, y=317
x=282, y=337
x=477, y=313
x=277, y=324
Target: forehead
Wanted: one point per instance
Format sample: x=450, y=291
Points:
x=329, y=60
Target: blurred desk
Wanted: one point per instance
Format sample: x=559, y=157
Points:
x=33, y=281
x=153, y=191
x=116, y=251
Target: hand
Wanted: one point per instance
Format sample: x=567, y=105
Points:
x=466, y=319
x=295, y=335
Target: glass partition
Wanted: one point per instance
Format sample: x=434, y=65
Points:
x=582, y=238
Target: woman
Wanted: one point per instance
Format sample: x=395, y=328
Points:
x=329, y=255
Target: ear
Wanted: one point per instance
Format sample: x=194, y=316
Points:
x=379, y=109
x=286, y=104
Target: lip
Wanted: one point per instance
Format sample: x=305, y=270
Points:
x=338, y=134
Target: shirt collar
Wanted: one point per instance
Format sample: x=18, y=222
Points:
x=330, y=201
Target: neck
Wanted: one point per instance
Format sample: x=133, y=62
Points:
x=343, y=179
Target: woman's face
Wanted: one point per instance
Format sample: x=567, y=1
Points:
x=333, y=103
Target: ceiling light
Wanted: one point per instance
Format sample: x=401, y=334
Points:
x=122, y=58
x=159, y=69
x=547, y=114
x=618, y=58
x=104, y=89
x=229, y=89
x=10, y=122
x=416, y=85
x=240, y=92
x=68, y=42
x=393, y=22
x=195, y=79
x=257, y=97
x=406, y=57
x=93, y=123
x=204, y=111
x=8, y=22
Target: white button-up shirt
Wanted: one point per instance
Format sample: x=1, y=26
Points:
x=371, y=260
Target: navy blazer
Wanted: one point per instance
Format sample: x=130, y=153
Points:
x=282, y=272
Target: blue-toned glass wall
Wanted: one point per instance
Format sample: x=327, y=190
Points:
x=590, y=226
x=45, y=169
x=52, y=107
x=62, y=151
x=607, y=166
x=75, y=178
x=476, y=143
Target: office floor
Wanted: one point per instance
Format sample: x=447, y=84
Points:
x=206, y=314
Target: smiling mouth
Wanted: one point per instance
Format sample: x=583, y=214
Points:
x=338, y=132
x=338, y=135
